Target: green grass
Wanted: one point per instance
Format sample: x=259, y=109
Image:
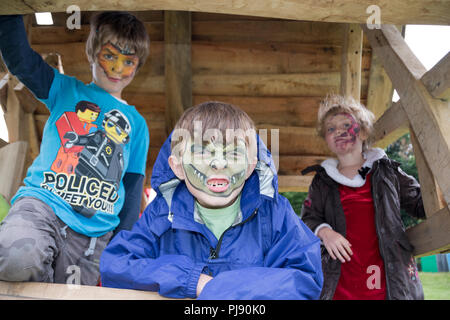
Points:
x=436, y=285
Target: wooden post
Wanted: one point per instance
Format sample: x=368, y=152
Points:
x=380, y=90
x=14, y=115
x=430, y=129
x=12, y=160
x=178, y=73
x=390, y=126
x=431, y=194
x=428, y=116
x=351, y=62
x=437, y=80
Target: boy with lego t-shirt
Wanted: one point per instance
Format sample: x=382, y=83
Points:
x=218, y=229
x=87, y=180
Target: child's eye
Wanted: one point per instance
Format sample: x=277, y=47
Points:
x=347, y=125
x=330, y=129
x=233, y=154
x=200, y=151
x=107, y=56
x=129, y=63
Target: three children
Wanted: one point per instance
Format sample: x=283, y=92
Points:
x=218, y=229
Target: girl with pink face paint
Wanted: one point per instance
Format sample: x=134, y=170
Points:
x=353, y=206
x=342, y=134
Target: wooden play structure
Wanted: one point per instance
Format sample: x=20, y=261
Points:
x=275, y=59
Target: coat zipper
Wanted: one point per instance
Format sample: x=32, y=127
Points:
x=214, y=252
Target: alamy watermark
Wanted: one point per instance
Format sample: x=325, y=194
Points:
x=374, y=20
x=74, y=20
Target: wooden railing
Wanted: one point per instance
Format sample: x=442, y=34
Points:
x=54, y=291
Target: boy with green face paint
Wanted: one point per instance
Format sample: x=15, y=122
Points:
x=218, y=229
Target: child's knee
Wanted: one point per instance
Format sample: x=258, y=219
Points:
x=20, y=260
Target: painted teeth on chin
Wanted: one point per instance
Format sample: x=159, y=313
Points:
x=199, y=176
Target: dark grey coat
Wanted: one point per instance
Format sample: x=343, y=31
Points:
x=392, y=189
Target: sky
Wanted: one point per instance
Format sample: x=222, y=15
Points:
x=429, y=44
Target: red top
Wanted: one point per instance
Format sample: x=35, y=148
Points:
x=363, y=277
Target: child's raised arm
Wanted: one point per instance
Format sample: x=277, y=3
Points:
x=21, y=60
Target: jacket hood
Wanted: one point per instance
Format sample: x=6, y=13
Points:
x=371, y=156
x=264, y=177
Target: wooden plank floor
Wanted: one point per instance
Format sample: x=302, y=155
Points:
x=53, y=291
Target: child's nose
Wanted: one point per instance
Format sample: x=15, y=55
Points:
x=219, y=163
x=340, y=131
x=117, y=66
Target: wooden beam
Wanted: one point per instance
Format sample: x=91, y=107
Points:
x=12, y=160
x=432, y=197
x=57, y=291
x=391, y=125
x=293, y=165
x=304, y=84
x=349, y=11
x=294, y=140
x=33, y=139
x=351, y=62
x=432, y=235
x=428, y=117
x=178, y=72
x=2, y=143
x=294, y=183
x=14, y=115
x=27, y=100
x=380, y=89
x=437, y=80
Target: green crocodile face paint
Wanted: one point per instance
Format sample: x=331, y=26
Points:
x=215, y=169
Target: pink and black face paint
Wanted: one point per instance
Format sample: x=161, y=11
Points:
x=354, y=129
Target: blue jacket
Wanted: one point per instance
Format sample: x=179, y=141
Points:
x=268, y=253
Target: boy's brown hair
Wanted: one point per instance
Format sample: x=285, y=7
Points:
x=122, y=27
x=334, y=104
x=212, y=115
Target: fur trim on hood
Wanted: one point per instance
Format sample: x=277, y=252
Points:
x=330, y=166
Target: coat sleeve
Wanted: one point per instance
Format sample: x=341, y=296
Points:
x=131, y=260
x=292, y=267
x=134, y=185
x=410, y=195
x=313, y=214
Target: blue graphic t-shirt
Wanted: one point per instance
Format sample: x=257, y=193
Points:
x=90, y=141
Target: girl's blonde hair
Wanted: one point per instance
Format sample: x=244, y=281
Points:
x=334, y=104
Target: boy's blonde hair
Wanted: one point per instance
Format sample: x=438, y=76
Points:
x=122, y=27
x=212, y=115
x=334, y=104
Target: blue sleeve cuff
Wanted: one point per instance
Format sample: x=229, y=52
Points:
x=191, y=287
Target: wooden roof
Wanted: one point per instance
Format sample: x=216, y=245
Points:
x=349, y=11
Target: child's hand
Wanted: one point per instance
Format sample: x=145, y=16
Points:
x=336, y=244
x=202, y=281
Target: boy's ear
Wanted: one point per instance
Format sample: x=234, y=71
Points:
x=176, y=166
